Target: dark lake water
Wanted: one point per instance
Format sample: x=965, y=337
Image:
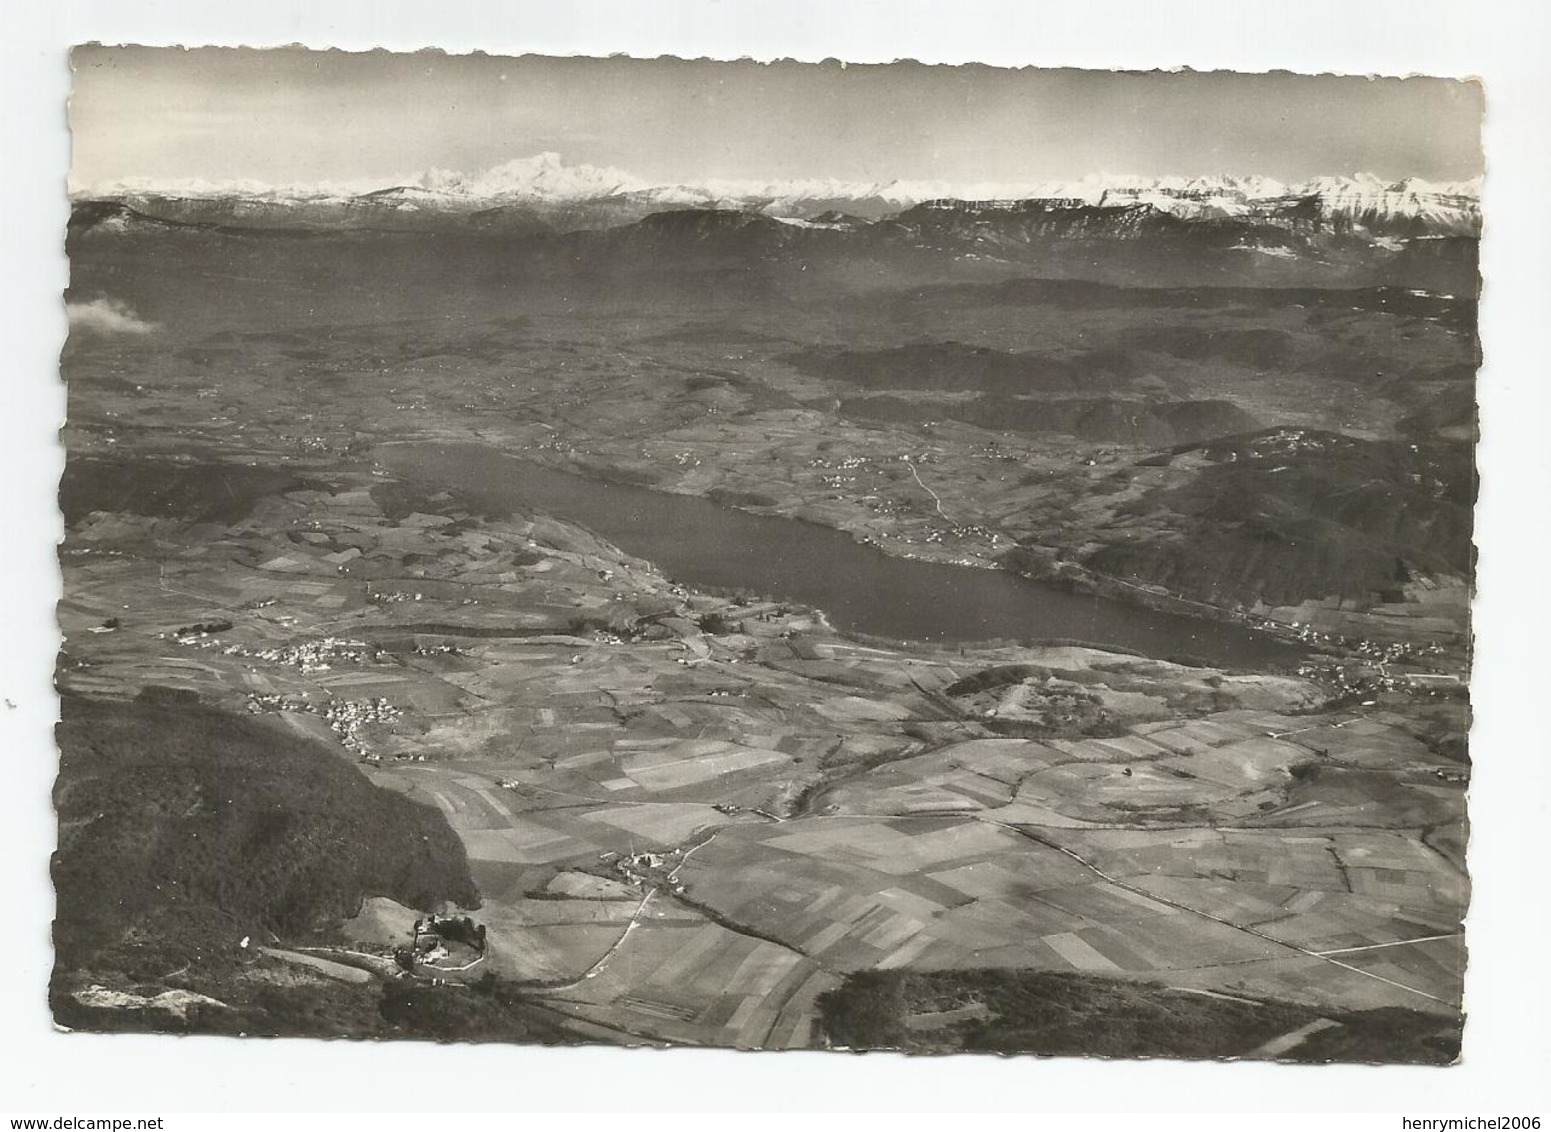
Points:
x=701, y=543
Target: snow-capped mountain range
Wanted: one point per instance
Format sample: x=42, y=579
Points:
x=545, y=184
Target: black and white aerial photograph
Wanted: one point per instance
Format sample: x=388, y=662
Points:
x=667, y=552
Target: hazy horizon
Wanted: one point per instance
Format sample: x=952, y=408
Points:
x=295, y=116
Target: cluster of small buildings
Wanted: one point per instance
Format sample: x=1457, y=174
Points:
x=1305, y=633
x=314, y=656
x=849, y=464
x=974, y=530
x=991, y=450
x=346, y=718
x=652, y=869
x=260, y=702
x=1375, y=676
x=1381, y=653
x=309, y=656
x=1284, y=442
x=1395, y=651
x=448, y=943
x=391, y=597
x=439, y=650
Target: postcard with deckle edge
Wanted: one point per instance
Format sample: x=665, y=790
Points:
x=790, y=556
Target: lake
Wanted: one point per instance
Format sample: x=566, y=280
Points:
x=860, y=589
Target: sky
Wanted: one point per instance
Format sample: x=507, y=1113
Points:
x=292, y=116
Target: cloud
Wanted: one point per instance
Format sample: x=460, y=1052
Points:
x=106, y=316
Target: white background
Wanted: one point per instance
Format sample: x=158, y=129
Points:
x=1507, y=1060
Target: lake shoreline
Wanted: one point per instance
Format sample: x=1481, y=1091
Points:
x=1077, y=608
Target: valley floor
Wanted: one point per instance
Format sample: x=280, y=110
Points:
x=689, y=835
x=711, y=818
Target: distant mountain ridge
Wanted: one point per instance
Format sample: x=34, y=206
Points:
x=543, y=190
x=748, y=252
